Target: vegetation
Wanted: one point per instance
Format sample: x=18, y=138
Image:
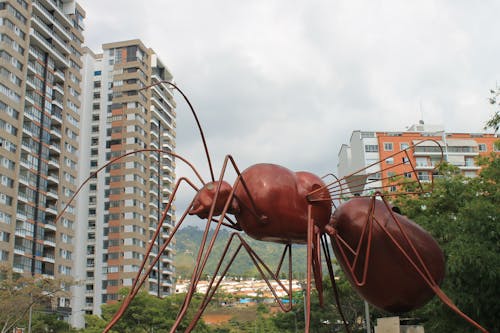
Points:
x=494, y=122
x=463, y=215
x=146, y=313
x=189, y=239
x=20, y=293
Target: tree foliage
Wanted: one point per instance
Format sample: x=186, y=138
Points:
x=327, y=318
x=19, y=293
x=49, y=322
x=146, y=313
x=463, y=216
x=494, y=122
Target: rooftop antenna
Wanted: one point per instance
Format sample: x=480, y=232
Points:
x=421, y=122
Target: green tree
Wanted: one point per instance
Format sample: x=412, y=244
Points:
x=494, y=122
x=463, y=216
x=327, y=318
x=20, y=293
x=49, y=322
x=146, y=313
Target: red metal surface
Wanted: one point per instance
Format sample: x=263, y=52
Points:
x=384, y=266
x=273, y=205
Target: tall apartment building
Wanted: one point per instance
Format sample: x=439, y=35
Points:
x=369, y=147
x=120, y=208
x=40, y=109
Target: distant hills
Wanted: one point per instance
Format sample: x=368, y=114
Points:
x=188, y=242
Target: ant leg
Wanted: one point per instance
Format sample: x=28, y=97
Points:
x=328, y=259
x=261, y=267
x=316, y=265
x=309, y=263
x=420, y=266
x=136, y=285
x=361, y=249
x=259, y=264
x=140, y=277
x=206, y=243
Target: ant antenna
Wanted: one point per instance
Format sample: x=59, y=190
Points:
x=195, y=118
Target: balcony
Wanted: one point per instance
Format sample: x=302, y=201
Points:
x=51, y=209
x=57, y=133
x=21, y=232
x=56, y=115
x=167, y=89
x=59, y=89
x=58, y=74
x=49, y=241
x=23, y=197
x=32, y=114
x=21, y=214
x=49, y=258
x=19, y=250
x=58, y=13
x=58, y=102
x=51, y=18
x=44, y=44
x=424, y=166
x=31, y=83
x=50, y=33
x=166, y=283
x=28, y=97
x=53, y=177
x=50, y=225
x=56, y=147
x=427, y=151
x=52, y=194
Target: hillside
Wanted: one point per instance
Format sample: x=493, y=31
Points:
x=188, y=241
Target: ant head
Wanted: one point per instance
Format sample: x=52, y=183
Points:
x=204, y=199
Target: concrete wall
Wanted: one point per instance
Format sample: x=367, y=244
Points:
x=392, y=325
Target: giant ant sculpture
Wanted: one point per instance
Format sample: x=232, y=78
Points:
x=392, y=262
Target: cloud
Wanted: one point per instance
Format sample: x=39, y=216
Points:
x=288, y=81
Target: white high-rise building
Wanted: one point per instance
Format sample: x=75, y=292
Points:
x=120, y=209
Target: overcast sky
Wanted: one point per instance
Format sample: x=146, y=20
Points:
x=288, y=81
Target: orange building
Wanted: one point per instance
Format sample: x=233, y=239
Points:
x=376, y=148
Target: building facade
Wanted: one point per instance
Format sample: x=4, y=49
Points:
x=120, y=208
x=373, y=149
x=40, y=109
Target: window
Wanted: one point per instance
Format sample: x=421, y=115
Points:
x=470, y=162
x=421, y=175
x=97, y=73
x=5, y=199
x=388, y=146
x=389, y=160
x=367, y=134
x=422, y=161
x=403, y=145
x=482, y=147
x=371, y=148
x=5, y=218
x=4, y=236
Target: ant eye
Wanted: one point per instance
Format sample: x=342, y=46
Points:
x=210, y=187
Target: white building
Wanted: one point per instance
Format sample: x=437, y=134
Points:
x=120, y=209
